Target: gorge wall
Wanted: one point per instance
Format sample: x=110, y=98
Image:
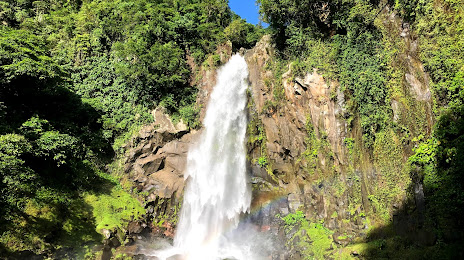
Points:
x=304, y=154
x=317, y=162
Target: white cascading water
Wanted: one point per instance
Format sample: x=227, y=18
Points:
x=218, y=191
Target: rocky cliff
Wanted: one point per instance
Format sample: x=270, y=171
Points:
x=312, y=159
x=304, y=155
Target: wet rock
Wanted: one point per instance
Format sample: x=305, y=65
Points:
x=419, y=198
x=284, y=211
x=396, y=110
x=169, y=230
x=176, y=257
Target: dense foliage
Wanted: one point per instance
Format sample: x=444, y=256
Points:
x=440, y=158
x=76, y=78
x=340, y=39
x=294, y=19
x=354, y=43
x=303, y=233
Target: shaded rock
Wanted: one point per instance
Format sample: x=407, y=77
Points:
x=160, y=173
x=135, y=227
x=177, y=162
x=114, y=242
x=149, y=164
x=341, y=239
x=106, y=254
x=165, y=182
x=155, y=163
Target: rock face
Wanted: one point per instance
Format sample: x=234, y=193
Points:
x=307, y=102
x=316, y=163
x=307, y=98
x=154, y=167
x=157, y=159
x=305, y=156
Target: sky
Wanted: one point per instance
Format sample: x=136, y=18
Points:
x=247, y=9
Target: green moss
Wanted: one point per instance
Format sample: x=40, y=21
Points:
x=257, y=139
x=122, y=256
x=115, y=209
x=317, y=147
x=278, y=70
x=274, y=84
x=339, y=187
x=270, y=107
x=125, y=137
x=319, y=239
x=394, y=179
x=314, y=240
x=262, y=161
x=321, y=55
x=71, y=226
x=349, y=144
x=168, y=210
x=212, y=61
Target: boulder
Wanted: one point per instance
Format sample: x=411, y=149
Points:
x=135, y=227
x=149, y=164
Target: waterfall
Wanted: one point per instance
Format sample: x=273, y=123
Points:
x=218, y=190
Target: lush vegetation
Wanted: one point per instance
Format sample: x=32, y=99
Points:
x=76, y=78
x=352, y=55
x=313, y=240
x=358, y=45
x=440, y=158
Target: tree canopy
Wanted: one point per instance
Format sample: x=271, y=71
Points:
x=76, y=78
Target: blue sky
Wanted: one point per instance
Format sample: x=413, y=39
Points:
x=247, y=9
